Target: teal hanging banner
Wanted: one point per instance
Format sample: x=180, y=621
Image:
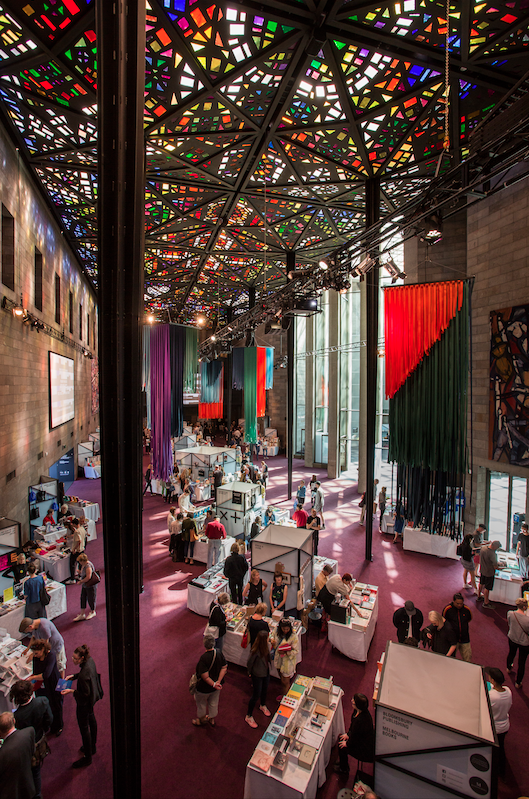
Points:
x=250, y=394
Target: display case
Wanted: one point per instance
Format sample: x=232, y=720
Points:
x=41, y=497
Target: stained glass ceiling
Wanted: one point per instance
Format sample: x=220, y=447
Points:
x=262, y=124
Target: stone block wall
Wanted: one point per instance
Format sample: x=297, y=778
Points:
x=27, y=445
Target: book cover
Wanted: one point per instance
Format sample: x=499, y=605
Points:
x=261, y=760
x=62, y=685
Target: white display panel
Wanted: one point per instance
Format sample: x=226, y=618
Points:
x=62, y=395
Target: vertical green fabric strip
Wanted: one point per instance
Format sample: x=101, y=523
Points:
x=428, y=415
x=250, y=394
x=191, y=359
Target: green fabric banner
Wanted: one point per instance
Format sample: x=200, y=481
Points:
x=191, y=359
x=250, y=394
x=428, y=414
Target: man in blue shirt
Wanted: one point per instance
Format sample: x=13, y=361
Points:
x=45, y=630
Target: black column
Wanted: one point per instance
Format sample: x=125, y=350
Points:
x=121, y=57
x=291, y=265
x=372, y=215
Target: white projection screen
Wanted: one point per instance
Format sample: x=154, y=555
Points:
x=62, y=401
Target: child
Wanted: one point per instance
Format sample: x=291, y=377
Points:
x=300, y=496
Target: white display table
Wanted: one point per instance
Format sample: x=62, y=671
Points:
x=298, y=783
x=201, y=549
x=505, y=591
x=387, y=525
x=57, y=568
x=11, y=620
x=92, y=472
x=234, y=653
x=90, y=511
x=353, y=644
x=199, y=599
x=51, y=537
x=440, y=545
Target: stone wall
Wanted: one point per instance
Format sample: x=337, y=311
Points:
x=27, y=445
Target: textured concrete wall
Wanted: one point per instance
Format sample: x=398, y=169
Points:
x=24, y=411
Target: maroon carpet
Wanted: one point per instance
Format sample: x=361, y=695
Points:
x=180, y=761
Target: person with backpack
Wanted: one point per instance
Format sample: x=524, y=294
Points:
x=87, y=693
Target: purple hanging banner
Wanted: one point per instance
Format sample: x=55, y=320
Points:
x=162, y=461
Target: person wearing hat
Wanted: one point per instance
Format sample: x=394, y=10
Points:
x=488, y=563
x=408, y=621
x=45, y=630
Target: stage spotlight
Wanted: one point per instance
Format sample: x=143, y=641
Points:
x=150, y=318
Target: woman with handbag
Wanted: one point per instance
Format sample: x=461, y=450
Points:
x=518, y=639
x=45, y=670
x=286, y=645
x=210, y=671
x=89, y=578
x=259, y=670
x=216, y=625
x=32, y=711
x=35, y=592
x=87, y=693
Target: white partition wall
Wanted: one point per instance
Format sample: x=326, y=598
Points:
x=434, y=730
x=293, y=547
x=235, y=503
x=185, y=441
x=202, y=460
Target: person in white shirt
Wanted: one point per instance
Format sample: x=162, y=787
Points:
x=171, y=516
x=500, y=702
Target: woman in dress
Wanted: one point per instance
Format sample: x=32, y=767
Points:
x=500, y=702
x=278, y=594
x=359, y=740
x=45, y=670
x=87, y=693
x=259, y=670
x=32, y=591
x=88, y=592
x=253, y=591
x=467, y=562
x=286, y=645
x=518, y=636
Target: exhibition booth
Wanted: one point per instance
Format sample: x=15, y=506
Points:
x=202, y=460
x=292, y=547
x=236, y=505
x=433, y=743
x=13, y=611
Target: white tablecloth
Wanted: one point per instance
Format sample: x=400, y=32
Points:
x=234, y=653
x=91, y=511
x=57, y=569
x=353, y=643
x=387, y=520
x=297, y=783
x=505, y=591
x=51, y=537
x=199, y=599
x=91, y=533
x=201, y=549
x=92, y=472
x=11, y=621
x=440, y=545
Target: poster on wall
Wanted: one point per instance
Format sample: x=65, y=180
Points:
x=94, y=377
x=61, y=389
x=509, y=386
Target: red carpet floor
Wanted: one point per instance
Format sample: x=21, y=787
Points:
x=180, y=761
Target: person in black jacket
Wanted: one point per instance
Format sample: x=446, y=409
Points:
x=45, y=669
x=359, y=740
x=259, y=670
x=87, y=693
x=439, y=635
x=217, y=618
x=406, y=616
x=459, y=617
x=18, y=569
x=16, y=780
x=235, y=567
x=33, y=711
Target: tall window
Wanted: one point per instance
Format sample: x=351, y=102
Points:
x=57, y=299
x=88, y=329
x=70, y=312
x=321, y=382
x=299, y=390
x=81, y=321
x=349, y=377
x=38, y=280
x=8, y=249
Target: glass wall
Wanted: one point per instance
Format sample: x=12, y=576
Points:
x=506, y=508
x=349, y=370
x=321, y=382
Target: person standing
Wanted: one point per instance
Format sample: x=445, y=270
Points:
x=256, y=527
x=32, y=591
x=189, y=537
x=218, y=474
x=176, y=545
x=319, y=502
x=301, y=493
x=322, y=577
x=87, y=693
x=253, y=591
x=18, y=569
x=313, y=486
x=314, y=524
x=210, y=671
x=32, y=711
x=399, y=523
x=45, y=670
x=300, y=516
x=440, y=635
x=264, y=473
x=217, y=619
x=256, y=623
x=467, y=561
x=500, y=702
x=382, y=503
x=459, y=617
x=16, y=753
x=408, y=620
x=215, y=532
x=518, y=636
x=148, y=480
x=286, y=645
x=359, y=740
x=488, y=563
x=522, y=551
x=278, y=593
x=171, y=517
x=235, y=567
x=45, y=630
x=335, y=585
x=77, y=545
x=88, y=587
x=259, y=670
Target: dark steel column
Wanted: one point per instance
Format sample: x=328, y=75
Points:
x=291, y=265
x=121, y=57
x=372, y=215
